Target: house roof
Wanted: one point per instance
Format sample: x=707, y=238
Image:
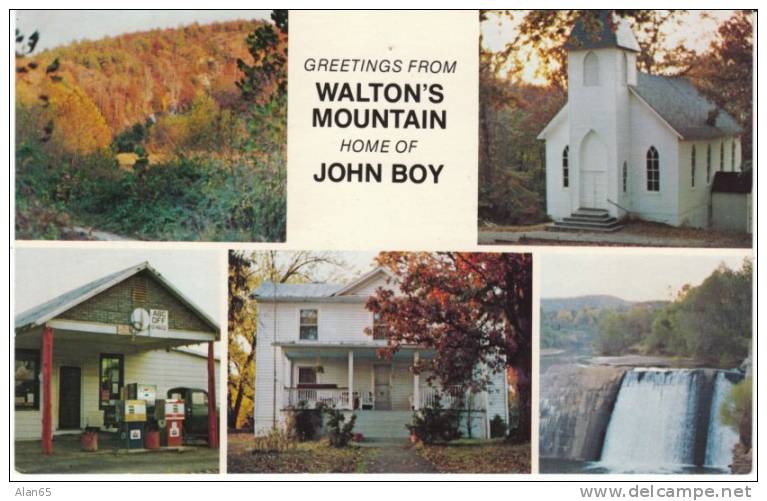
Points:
x=48, y=310
x=605, y=33
x=684, y=108
x=272, y=290
x=732, y=182
x=319, y=291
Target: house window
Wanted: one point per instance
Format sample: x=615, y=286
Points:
x=379, y=328
x=565, y=167
x=27, y=380
x=732, y=156
x=111, y=378
x=653, y=170
x=692, y=167
x=307, y=329
x=625, y=176
x=721, y=156
x=307, y=375
x=591, y=70
x=708, y=164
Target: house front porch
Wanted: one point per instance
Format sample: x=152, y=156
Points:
x=382, y=393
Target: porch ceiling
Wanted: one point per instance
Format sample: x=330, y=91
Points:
x=298, y=352
x=112, y=341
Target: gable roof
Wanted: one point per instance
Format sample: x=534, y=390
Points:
x=732, y=182
x=48, y=310
x=313, y=291
x=369, y=276
x=553, y=122
x=684, y=108
x=606, y=33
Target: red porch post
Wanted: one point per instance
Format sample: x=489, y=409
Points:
x=47, y=360
x=212, y=417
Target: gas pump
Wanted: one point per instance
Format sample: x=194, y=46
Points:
x=170, y=417
x=131, y=416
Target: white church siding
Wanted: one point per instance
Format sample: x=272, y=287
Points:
x=693, y=200
x=649, y=130
x=557, y=196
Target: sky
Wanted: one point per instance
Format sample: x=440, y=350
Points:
x=357, y=264
x=696, y=31
x=632, y=276
x=42, y=274
x=62, y=27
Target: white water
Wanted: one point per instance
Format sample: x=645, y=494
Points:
x=652, y=427
x=721, y=439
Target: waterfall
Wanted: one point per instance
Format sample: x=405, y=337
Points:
x=654, y=422
x=721, y=439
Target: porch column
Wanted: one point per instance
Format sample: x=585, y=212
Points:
x=47, y=360
x=212, y=418
x=416, y=384
x=350, y=382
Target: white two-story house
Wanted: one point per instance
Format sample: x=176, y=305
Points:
x=312, y=348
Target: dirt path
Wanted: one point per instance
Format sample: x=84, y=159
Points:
x=396, y=457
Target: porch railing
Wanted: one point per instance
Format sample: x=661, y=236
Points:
x=330, y=397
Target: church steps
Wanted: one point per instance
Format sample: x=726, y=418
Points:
x=588, y=220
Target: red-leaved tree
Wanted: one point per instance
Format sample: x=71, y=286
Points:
x=473, y=309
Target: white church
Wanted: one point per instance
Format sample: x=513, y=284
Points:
x=630, y=144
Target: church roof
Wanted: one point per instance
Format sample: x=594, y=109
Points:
x=686, y=110
x=605, y=32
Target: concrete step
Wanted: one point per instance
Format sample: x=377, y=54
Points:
x=588, y=220
x=383, y=424
x=596, y=214
x=567, y=226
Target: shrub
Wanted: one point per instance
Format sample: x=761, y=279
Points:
x=306, y=422
x=736, y=410
x=277, y=440
x=498, y=427
x=339, y=429
x=434, y=424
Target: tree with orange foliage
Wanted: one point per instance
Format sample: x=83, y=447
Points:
x=473, y=309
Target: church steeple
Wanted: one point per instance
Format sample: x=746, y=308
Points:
x=600, y=30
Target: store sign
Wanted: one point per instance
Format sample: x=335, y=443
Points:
x=158, y=320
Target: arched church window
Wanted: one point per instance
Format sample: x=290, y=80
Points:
x=565, y=167
x=625, y=175
x=624, y=68
x=692, y=167
x=721, y=156
x=732, y=156
x=653, y=170
x=591, y=70
x=708, y=164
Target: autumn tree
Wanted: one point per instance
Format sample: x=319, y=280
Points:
x=248, y=270
x=267, y=46
x=473, y=309
x=725, y=72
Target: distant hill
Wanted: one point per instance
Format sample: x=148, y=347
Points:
x=581, y=302
x=133, y=76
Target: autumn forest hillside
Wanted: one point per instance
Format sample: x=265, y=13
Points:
x=168, y=134
x=132, y=77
